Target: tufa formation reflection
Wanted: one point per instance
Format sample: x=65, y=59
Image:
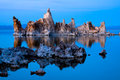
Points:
x=63, y=55
x=61, y=51
x=34, y=42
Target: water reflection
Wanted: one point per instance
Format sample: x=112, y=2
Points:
x=61, y=63
x=34, y=42
x=89, y=40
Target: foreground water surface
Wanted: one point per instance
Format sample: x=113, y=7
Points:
x=93, y=66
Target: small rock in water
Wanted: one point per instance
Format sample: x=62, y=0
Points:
x=3, y=74
x=39, y=72
x=103, y=53
x=0, y=52
x=15, y=66
x=119, y=33
x=89, y=55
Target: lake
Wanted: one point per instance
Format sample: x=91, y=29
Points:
x=92, y=67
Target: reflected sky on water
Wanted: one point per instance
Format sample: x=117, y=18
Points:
x=92, y=67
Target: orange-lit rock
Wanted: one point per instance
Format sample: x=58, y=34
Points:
x=41, y=27
x=91, y=29
x=17, y=27
x=45, y=26
x=102, y=28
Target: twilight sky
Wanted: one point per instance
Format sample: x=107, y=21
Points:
x=82, y=10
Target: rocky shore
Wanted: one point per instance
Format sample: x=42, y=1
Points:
x=46, y=27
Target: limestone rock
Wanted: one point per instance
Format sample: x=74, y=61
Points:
x=18, y=30
x=72, y=23
x=45, y=26
x=102, y=28
x=49, y=20
x=65, y=29
x=41, y=27
x=91, y=29
x=63, y=24
x=62, y=51
x=15, y=55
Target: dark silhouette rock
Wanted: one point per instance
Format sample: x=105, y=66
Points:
x=3, y=74
x=39, y=72
x=62, y=51
x=15, y=55
x=103, y=53
x=62, y=55
x=0, y=51
x=89, y=54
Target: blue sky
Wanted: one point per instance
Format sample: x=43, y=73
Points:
x=59, y=4
x=82, y=10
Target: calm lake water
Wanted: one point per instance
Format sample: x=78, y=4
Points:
x=93, y=67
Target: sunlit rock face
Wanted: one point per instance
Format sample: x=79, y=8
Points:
x=41, y=27
x=91, y=29
x=65, y=29
x=45, y=26
x=49, y=20
x=102, y=28
x=18, y=30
